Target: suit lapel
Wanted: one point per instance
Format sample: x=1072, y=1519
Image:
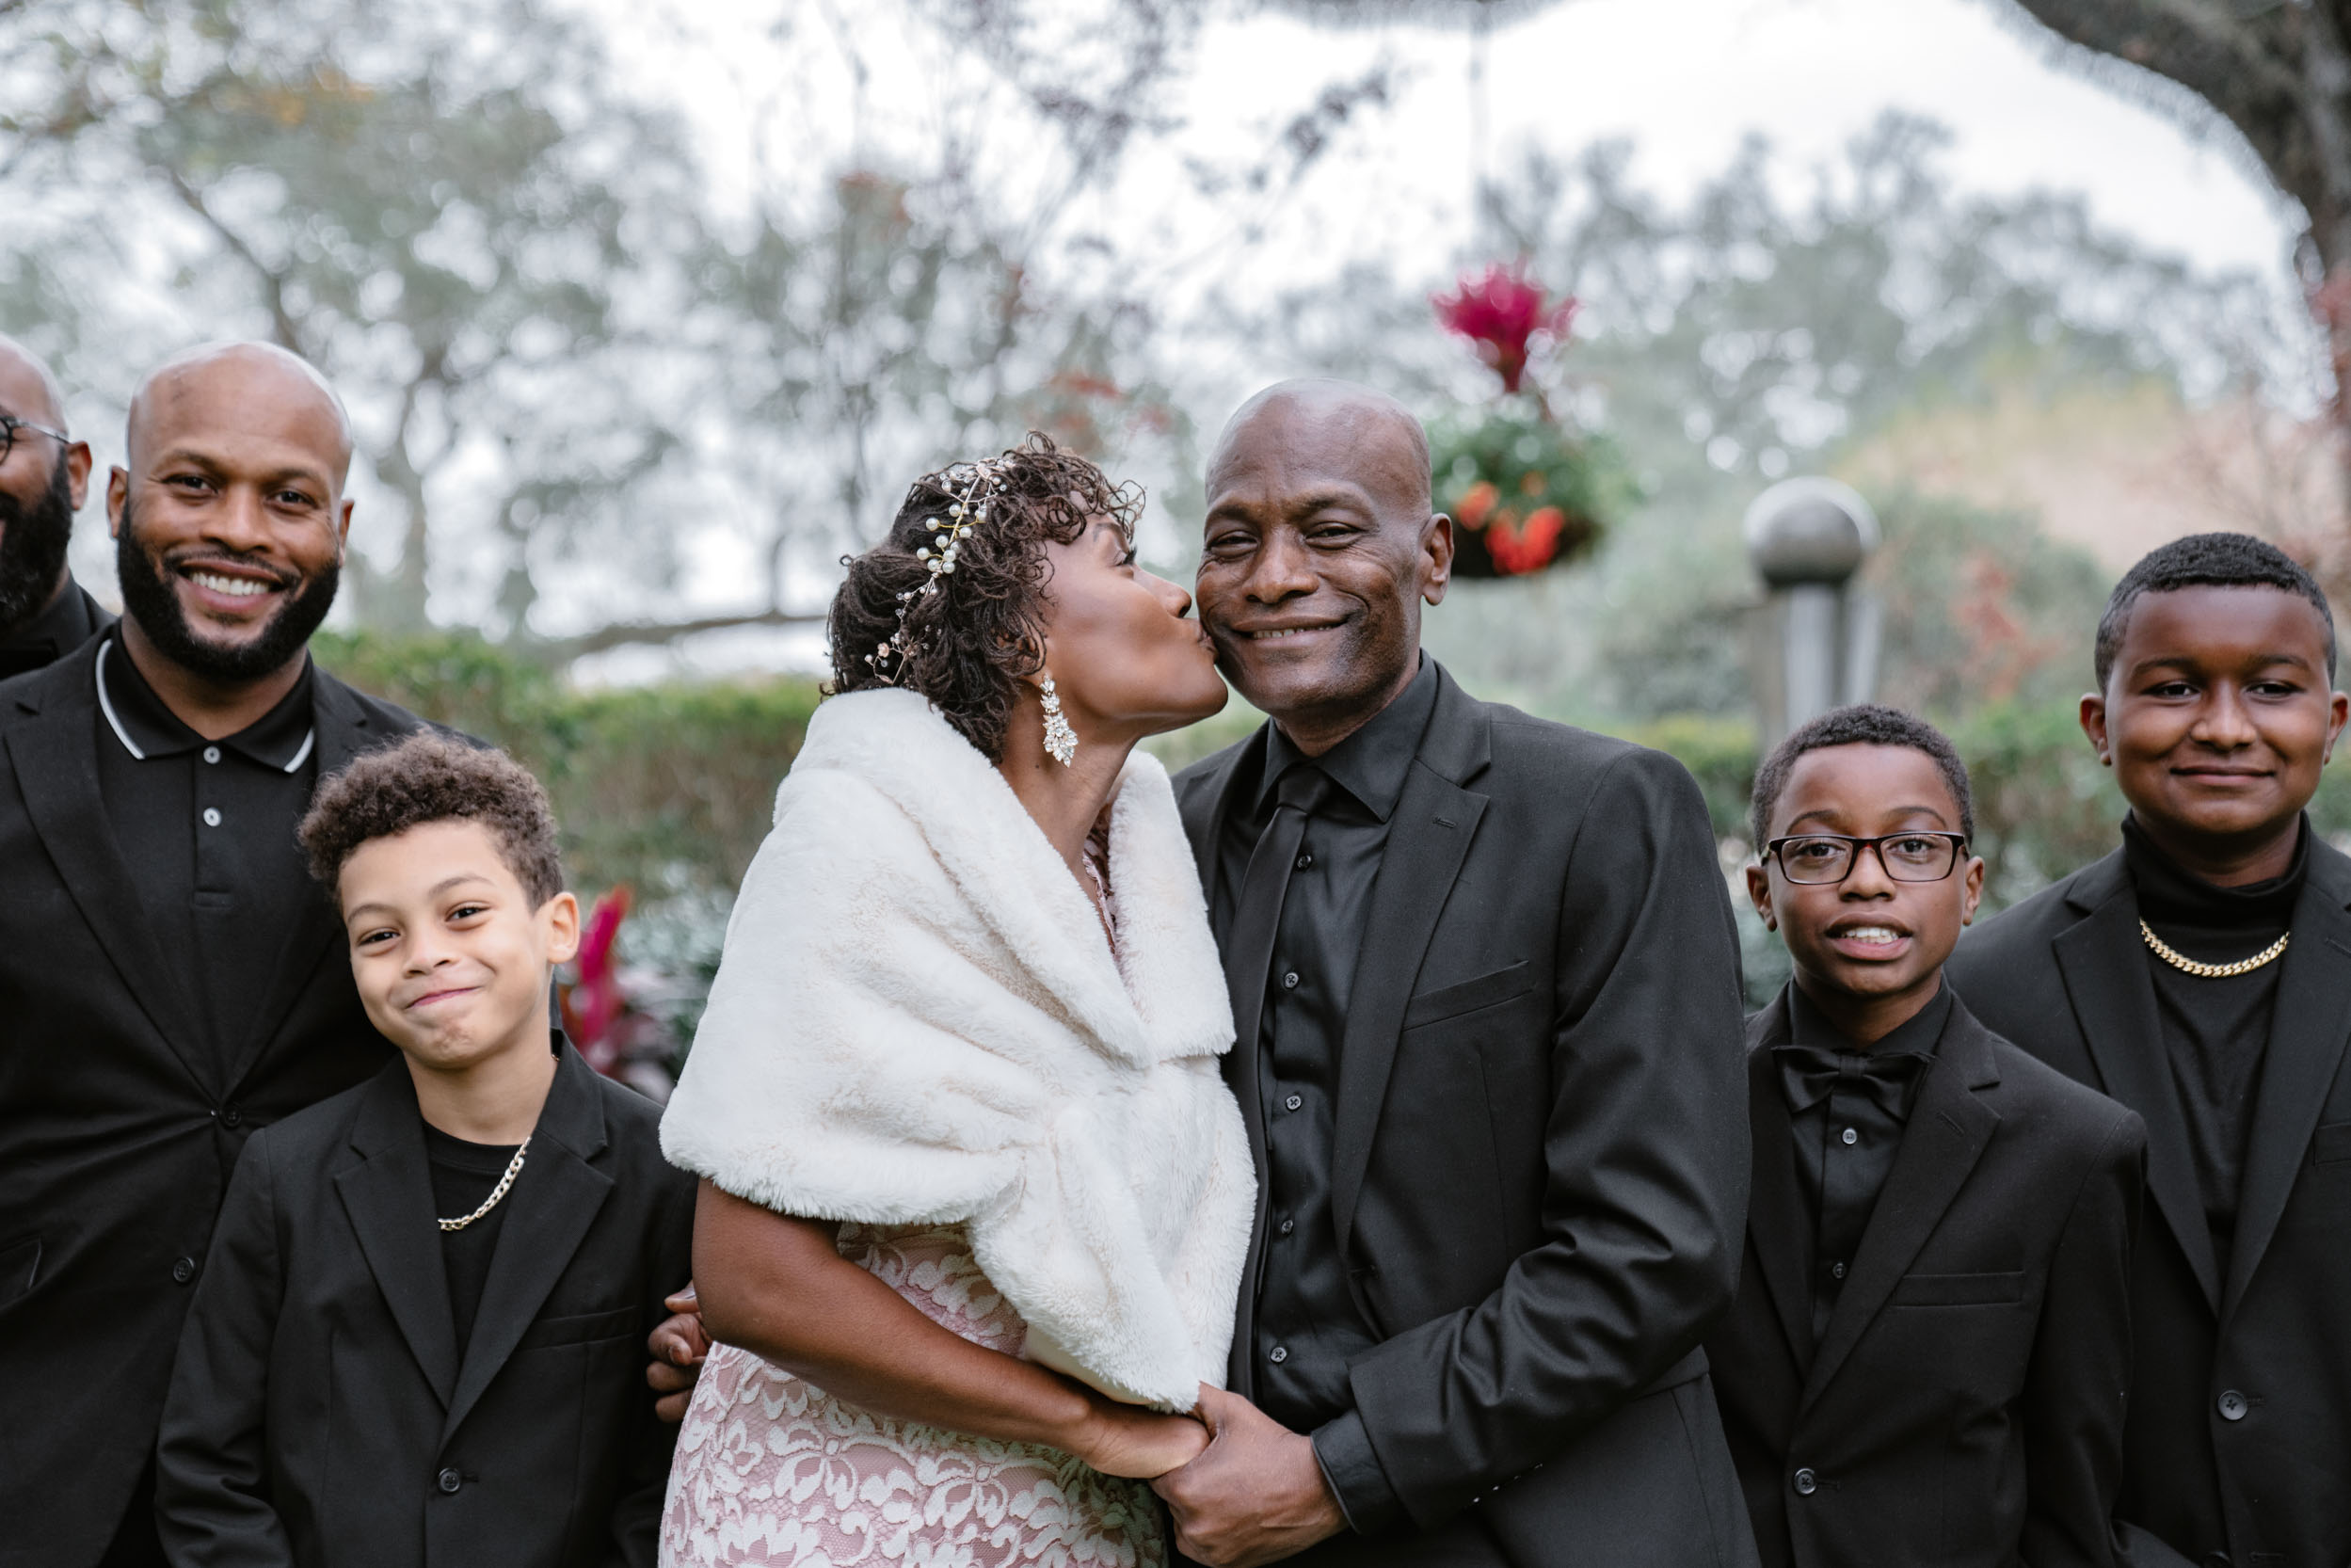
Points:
x=56, y=769
x=338, y=728
x=1429, y=836
x=2102, y=959
x=1775, y=1210
x=2307, y=1036
x=553, y=1201
x=1207, y=806
x=389, y=1200
x=1948, y=1130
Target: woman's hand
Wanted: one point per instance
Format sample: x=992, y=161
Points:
x=1130, y=1440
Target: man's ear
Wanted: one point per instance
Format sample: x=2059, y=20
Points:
x=77, y=461
x=1759, y=894
x=118, y=491
x=1437, y=557
x=1975, y=894
x=2094, y=725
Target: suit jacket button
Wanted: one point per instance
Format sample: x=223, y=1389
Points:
x=2234, y=1405
x=183, y=1270
x=449, y=1480
x=231, y=1115
x=1806, y=1483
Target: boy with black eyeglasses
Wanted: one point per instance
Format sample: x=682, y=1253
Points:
x=1928, y=1357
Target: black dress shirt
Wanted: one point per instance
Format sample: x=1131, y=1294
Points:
x=2215, y=1032
x=464, y=1174
x=1308, y=1323
x=70, y=621
x=1849, y=1107
x=207, y=830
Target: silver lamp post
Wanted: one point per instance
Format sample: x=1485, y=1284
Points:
x=1817, y=630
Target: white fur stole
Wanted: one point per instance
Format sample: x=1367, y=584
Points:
x=917, y=1019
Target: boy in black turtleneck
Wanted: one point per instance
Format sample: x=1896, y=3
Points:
x=1925, y=1359
x=2202, y=974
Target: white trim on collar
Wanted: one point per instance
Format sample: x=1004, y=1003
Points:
x=106, y=706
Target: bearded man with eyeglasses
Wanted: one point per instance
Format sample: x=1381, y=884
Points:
x=44, y=479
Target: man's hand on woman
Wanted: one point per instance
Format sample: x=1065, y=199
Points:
x=1130, y=1440
x=678, y=1347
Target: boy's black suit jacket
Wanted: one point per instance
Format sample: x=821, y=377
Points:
x=116, y=1131
x=1965, y=1405
x=2239, y=1438
x=320, y=1413
x=1539, y=1157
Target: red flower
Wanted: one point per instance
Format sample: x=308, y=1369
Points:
x=594, y=1004
x=1500, y=313
x=1517, y=550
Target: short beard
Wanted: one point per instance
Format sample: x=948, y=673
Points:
x=33, y=543
x=148, y=602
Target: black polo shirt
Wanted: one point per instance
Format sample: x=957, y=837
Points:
x=206, y=828
x=1308, y=1326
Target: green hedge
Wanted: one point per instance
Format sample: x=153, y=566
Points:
x=669, y=786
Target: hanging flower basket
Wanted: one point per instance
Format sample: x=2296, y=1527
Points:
x=1526, y=490
x=1524, y=493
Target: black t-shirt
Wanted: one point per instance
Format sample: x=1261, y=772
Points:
x=463, y=1175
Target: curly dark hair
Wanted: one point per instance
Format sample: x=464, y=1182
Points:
x=432, y=777
x=971, y=644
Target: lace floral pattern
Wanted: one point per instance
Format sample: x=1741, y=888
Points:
x=770, y=1469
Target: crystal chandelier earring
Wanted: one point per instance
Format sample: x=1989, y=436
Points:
x=1060, y=742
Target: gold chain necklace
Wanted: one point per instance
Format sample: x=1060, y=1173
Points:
x=514, y=1169
x=2185, y=965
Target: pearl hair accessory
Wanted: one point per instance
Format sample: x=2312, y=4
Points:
x=968, y=510
x=1060, y=742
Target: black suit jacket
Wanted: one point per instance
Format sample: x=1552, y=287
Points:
x=319, y=1412
x=1965, y=1405
x=2239, y=1438
x=1540, y=1156
x=116, y=1135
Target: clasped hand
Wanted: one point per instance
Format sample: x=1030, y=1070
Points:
x=1253, y=1494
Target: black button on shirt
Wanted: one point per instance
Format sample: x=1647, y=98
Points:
x=463, y=1175
x=207, y=831
x=1305, y=1307
x=1849, y=1108
x=2215, y=1032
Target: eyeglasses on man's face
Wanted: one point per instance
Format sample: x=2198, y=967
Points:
x=10, y=425
x=1813, y=859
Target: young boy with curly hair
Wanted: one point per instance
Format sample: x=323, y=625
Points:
x=417, y=1338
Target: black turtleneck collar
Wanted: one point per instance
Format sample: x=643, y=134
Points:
x=2171, y=895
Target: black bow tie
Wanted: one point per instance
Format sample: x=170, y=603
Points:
x=1809, y=1073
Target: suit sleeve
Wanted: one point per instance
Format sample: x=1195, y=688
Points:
x=212, y=1473
x=1645, y=1189
x=644, y=1468
x=2078, y=1380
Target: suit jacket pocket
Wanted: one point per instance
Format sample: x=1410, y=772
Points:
x=577, y=1329
x=1960, y=1289
x=2330, y=1142
x=1450, y=1002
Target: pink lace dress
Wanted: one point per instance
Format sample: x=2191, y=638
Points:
x=770, y=1469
